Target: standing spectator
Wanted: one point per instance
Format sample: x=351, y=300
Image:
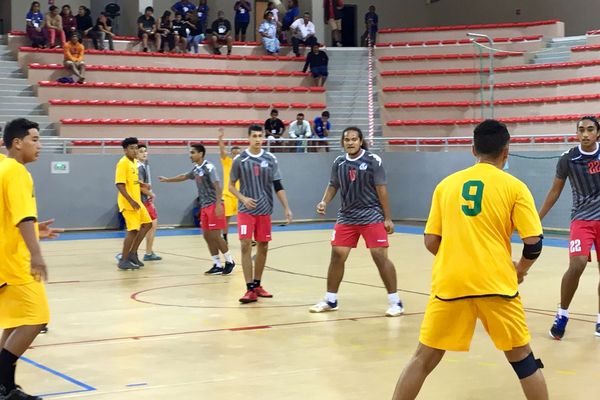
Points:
x=303, y=31
x=183, y=7
x=194, y=26
x=371, y=27
x=179, y=37
x=147, y=29
x=203, y=13
x=333, y=12
x=74, y=57
x=84, y=22
x=148, y=197
x=35, y=23
x=242, y=18
x=268, y=31
x=272, y=8
x=321, y=128
x=292, y=13
x=274, y=129
x=164, y=29
x=221, y=34
x=299, y=129
x=318, y=62
x=101, y=31
x=68, y=21
x=53, y=27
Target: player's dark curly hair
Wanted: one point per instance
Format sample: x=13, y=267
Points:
x=129, y=141
x=363, y=143
x=590, y=118
x=490, y=137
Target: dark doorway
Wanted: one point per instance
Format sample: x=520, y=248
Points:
x=349, y=26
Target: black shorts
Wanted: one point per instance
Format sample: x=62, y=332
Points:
x=241, y=27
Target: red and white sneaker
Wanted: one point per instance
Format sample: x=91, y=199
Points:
x=260, y=292
x=249, y=297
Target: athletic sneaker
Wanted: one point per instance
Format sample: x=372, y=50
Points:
x=214, y=270
x=598, y=329
x=395, y=310
x=558, y=328
x=119, y=256
x=228, y=268
x=133, y=258
x=18, y=394
x=260, y=292
x=126, y=264
x=152, y=257
x=249, y=297
x=324, y=306
x=44, y=330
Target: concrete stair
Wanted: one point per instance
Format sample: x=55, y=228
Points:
x=559, y=50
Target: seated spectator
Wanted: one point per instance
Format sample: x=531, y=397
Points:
x=84, y=22
x=268, y=31
x=221, y=34
x=369, y=38
x=101, y=31
x=274, y=129
x=53, y=27
x=292, y=13
x=74, y=57
x=164, y=29
x=147, y=29
x=203, y=13
x=68, y=21
x=321, y=128
x=318, y=62
x=35, y=24
x=304, y=33
x=242, y=19
x=179, y=34
x=299, y=129
x=183, y=7
x=194, y=26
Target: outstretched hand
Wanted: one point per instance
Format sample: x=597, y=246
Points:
x=46, y=232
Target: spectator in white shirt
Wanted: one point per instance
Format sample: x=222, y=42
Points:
x=299, y=129
x=303, y=31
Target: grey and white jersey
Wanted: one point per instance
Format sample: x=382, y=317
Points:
x=144, y=176
x=256, y=174
x=205, y=176
x=356, y=180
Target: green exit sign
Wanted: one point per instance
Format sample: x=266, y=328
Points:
x=60, y=167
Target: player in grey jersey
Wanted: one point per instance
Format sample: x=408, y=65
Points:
x=581, y=165
x=258, y=174
x=212, y=215
x=365, y=211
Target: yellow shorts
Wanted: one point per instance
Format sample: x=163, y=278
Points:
x=449, y=325
x=22, y=305
x=231, y=205
x=335, y=24
x=134, y=219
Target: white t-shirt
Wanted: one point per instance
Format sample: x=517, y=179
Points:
x=302, y=30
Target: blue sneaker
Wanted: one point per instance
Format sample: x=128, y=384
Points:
x=324, y=306
x=152, y=257
x=598, y=329
x=558, y=328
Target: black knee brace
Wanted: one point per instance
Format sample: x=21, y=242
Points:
x=527, y=366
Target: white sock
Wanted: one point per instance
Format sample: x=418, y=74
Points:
x=217, y=260
x=393, y=298
x=598, y=320
x=228, y=257
x=563, y=313
x=331, y=297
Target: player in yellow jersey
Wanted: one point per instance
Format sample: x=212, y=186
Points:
x=473, y=215
x=229, y=200
x=129, y=199
x=2, y=156
x=24, y=307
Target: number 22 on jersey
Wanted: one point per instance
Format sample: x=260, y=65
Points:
x=472, y=192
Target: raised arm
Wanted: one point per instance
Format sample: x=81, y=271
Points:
x=175, y=179
x=552, y=196
x=222, y=147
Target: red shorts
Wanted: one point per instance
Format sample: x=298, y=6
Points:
x=209, y=221
x=258, y=226
x=582, y=235
x=151, y=210
x=345, y=235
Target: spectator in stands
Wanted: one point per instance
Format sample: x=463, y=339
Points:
x=274, y=129
x=68, y=21
x=304, y=33
x=179, y=36
x=84, y=22
x=221, y=34
x=194, y=26
x=299, y=129
x=53, y=27
x=203, y=13
x=35, y=23
x=147, y=29
x=101, y=31
x=268, y=31
x=321, y=128
x=318, y=62
x=74, y=57
x=242, y=18
x=292, y=13
x=183, y=7
x=371, y=27
x=164, y=29
x=273, y=8
x=333, y=10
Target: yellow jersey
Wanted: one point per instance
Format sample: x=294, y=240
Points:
x=2, y=156
x=17, y=203
x=227, y=162
x=475, y=211
x=127, y=173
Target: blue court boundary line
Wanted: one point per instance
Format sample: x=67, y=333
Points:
x=413, y=230
x=84, y=387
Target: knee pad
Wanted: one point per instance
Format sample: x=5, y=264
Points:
x=527, y=366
